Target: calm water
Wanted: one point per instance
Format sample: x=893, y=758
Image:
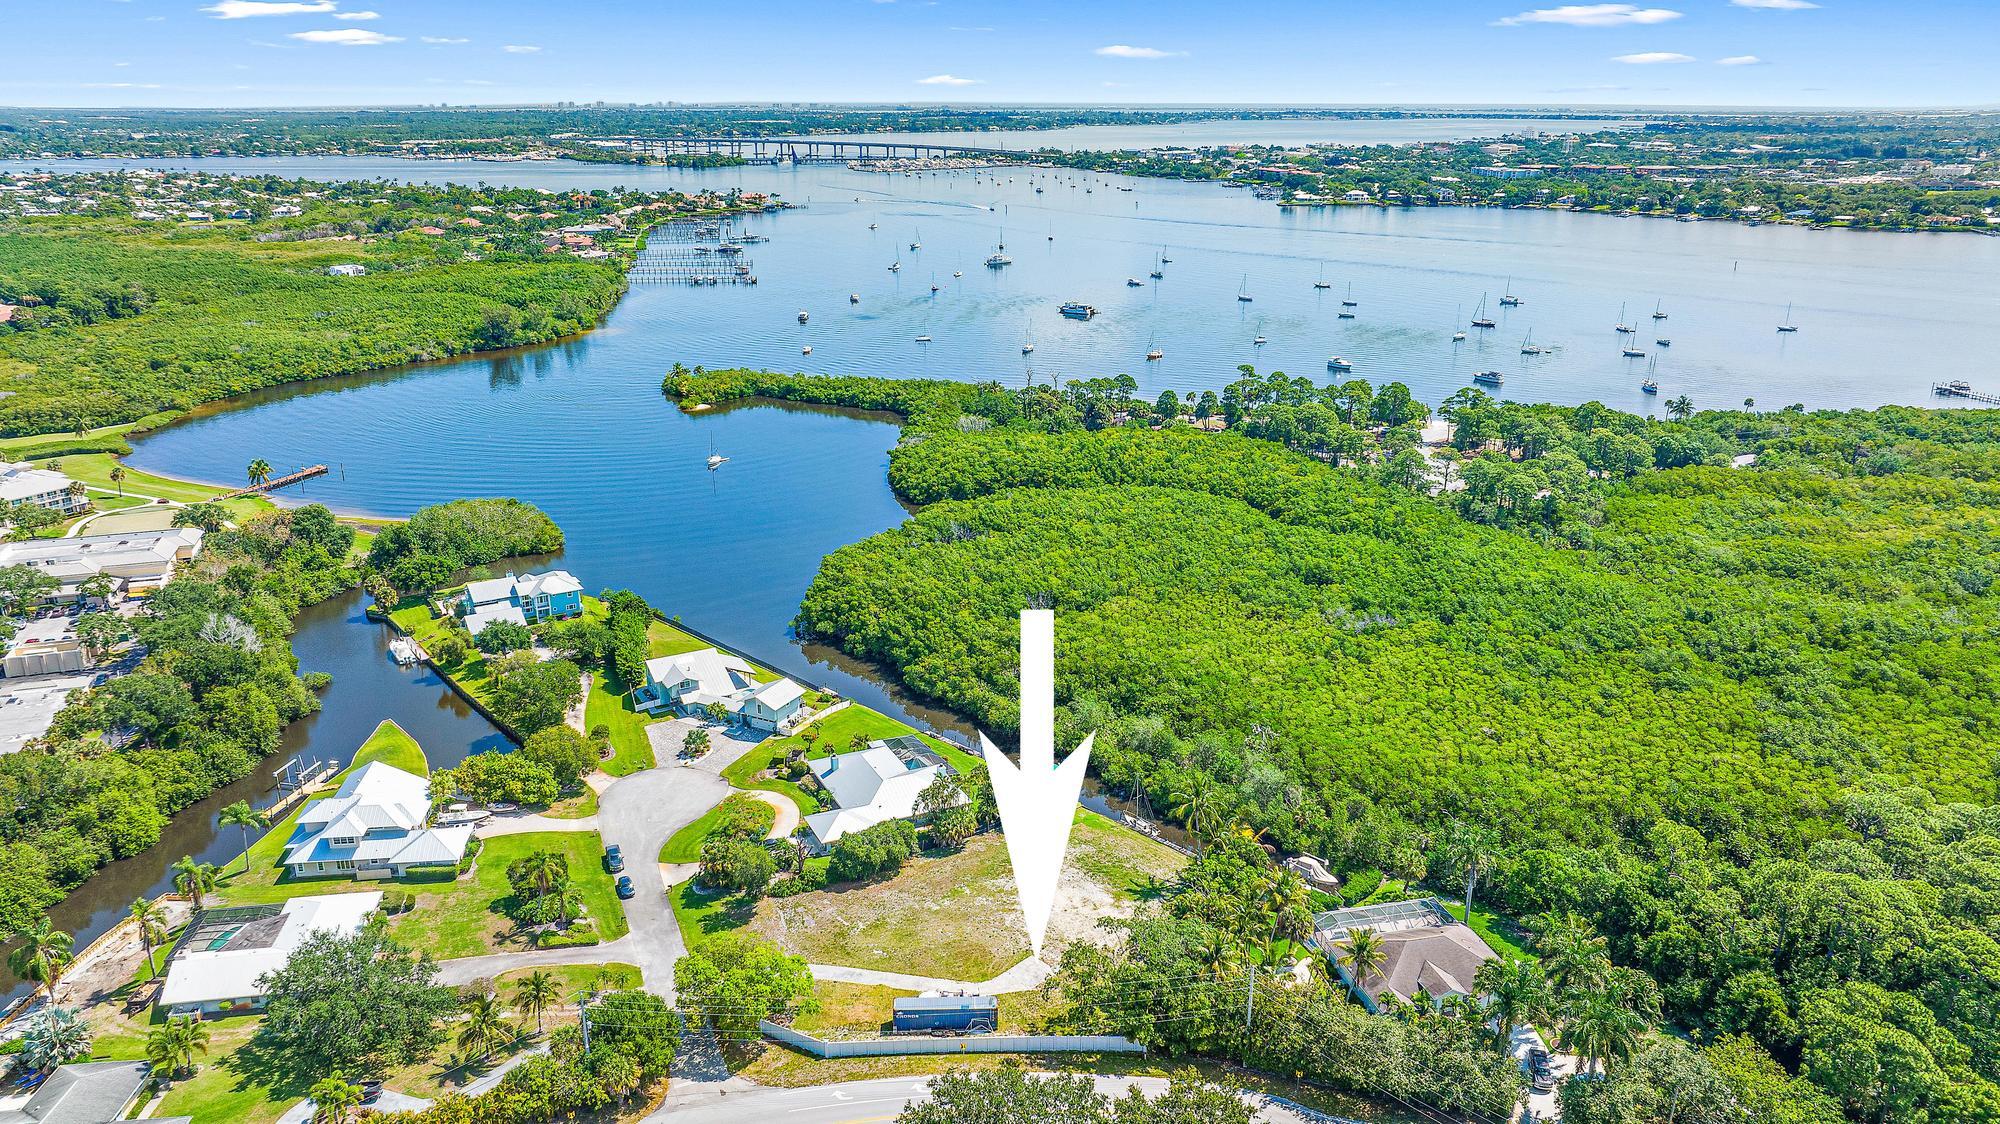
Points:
x=581, y=430
x=1290, y=133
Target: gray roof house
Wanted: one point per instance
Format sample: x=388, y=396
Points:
x=1424, y=950
x=82, y=1093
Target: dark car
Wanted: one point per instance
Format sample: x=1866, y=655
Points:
x=625, y=889
x=614, y=859
x=370, y=1091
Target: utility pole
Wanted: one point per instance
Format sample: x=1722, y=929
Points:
x=583, y=1017
x=1250, y=1001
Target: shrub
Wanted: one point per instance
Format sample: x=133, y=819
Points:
x=736, y=864
x=879, y=849
x=503, y=636
x=491, y=777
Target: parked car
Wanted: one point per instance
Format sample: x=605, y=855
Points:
x=614, y=859
x=625, y=889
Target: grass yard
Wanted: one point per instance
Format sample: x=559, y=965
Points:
x=94, y=469
x=952, y=916
x=610, y=706
x=267, y=881
x=1500, y=932
x=685, y=846
x=465, y=918
x=833, y=734
x=663, y=638
x=469, y=675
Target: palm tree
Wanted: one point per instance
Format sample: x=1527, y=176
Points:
x=1518, y=995
x=118, y=478
x=193, y=879
x=485, y=1026
x=78, y=490
x=1362, y=953
x=54, y=1036
x=243, y=817
x=172, y=1045
x=1195, y=801
x=333, y=1099
x=533, y=994
x=543, y=869
x=43, y=954
x=1572, y=952
x=152, y=923
x=568, y=903
x=259, y=471
x=1288, y=903
x=1470, y=848
x=1680, y=408
x=1600, y=1029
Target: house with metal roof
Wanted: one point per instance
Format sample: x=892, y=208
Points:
x=135, y=561
x=873, y=786
x=217, y=967
x=520, y=599
x=375, y=826
x=81, y=1093
x=688, y=682
x=1425, y=951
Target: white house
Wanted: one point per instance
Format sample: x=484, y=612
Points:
x=874, y=785
x=346, y=270
x=42, y=487
x=215, y=968
x=374, y=827
x=692, y=681
x=1424, y=949
x=136, y=561
x=521, y=599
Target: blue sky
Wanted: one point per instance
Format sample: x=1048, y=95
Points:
x=1651, y=52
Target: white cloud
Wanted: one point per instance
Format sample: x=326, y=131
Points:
x=1777, y=5
x=1592, y=15
x=1740, y=60
x=1121, y=51
x=346, y=37
x=947, y=80
x=244, y=9
x=357, y=15
x=1652, y=58
x=521, y=49
x=443, y=39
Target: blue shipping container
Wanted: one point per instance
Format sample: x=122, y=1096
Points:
x=975, y=1014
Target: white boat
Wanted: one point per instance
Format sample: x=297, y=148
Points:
x=1336, y=363
x=1528, y=346
x=1028, y=342
x=1322, y=283
x=854, y=298
x=895, y=267
x=715, y=459
x=1133, y=283
x=804, y=316
x=1155, y=353
x=403, y=650
x=1663, y=342
x=460, y=815
x=1622, y=327
x=923, y=339
x=1788, y=326
x=1479, y=317
x=1260, y=341
x=1657, y=314
x=871, y=226
x=1633, y=353
x=1243, y=290
x=806, y=350
x=1489, y=378
x=958, y=273
x=917, y=243
x=1348, y=301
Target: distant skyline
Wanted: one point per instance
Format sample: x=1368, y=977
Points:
x=1728, y=53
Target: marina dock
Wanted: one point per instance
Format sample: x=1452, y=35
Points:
x=1965, y=391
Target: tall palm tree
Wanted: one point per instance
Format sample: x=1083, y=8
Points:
x=1286, y=900
x=534, y=993
x=1518, y=995
x=1363, y=953
x=568, y=903
x=485, y=1026
x=152, y=923
x=259, y=471
x=1680, y=408
x=1571, y=950
x=1601, y=1029
x=334, y=1101
x=242, y=817
x=194, y=880
x=172, y=1045
x=1197, y=804
x=1469, y=848
x=43, y=954
x=118, y=478
x=543, y=869
x=52, y=1037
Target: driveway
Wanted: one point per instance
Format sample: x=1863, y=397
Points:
x=726, y=743
x=639, y=814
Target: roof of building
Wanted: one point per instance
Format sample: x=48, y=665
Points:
x=945, y=1003
x=476, y=621
x=717, y=677
x=522, y=586
x=80, y=557
x=1423, y=948
x=82, y=1093
x=24, y=481
x=377, y=797
x=778, y=693
x=225, y=951
x=872, y=786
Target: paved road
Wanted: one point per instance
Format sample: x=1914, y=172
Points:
x=639, y=814
x=872, y=1102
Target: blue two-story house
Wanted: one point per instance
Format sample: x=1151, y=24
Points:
x=523, y=599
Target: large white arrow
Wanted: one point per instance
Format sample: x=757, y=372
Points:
x=1037, y=799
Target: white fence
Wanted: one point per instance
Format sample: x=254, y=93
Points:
x=971, y=1044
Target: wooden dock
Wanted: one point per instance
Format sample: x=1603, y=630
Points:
x=1961, y=390
x=287, y=479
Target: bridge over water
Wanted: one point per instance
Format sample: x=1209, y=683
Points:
x=805, y=150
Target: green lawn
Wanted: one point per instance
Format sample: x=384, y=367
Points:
x=664, y=639
x=267, y=881
x=95, y=469
x=1499, y=932
x=685, y=846
x=575, y=978
x=610, y=706
x=414, y=616
x=465, y=918
x=833, y=734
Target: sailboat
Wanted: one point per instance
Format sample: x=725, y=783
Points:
x=804, y=316
x=1458, y=334
x=1348, y=301
x=917, y=243
x=1243, y=290
x=896, y=266
x=1479, y=317
x=715, y=459
x=1648, y=385
x=1788, y=326
x=999, y=258
x=1657, y=314
x=1528, y=345
x=1507, y=297
x=1622, y=327
x=1028, y=340
x=1322, y=283
x=1152, y=352
x=934, y=284
x=1157, y=271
